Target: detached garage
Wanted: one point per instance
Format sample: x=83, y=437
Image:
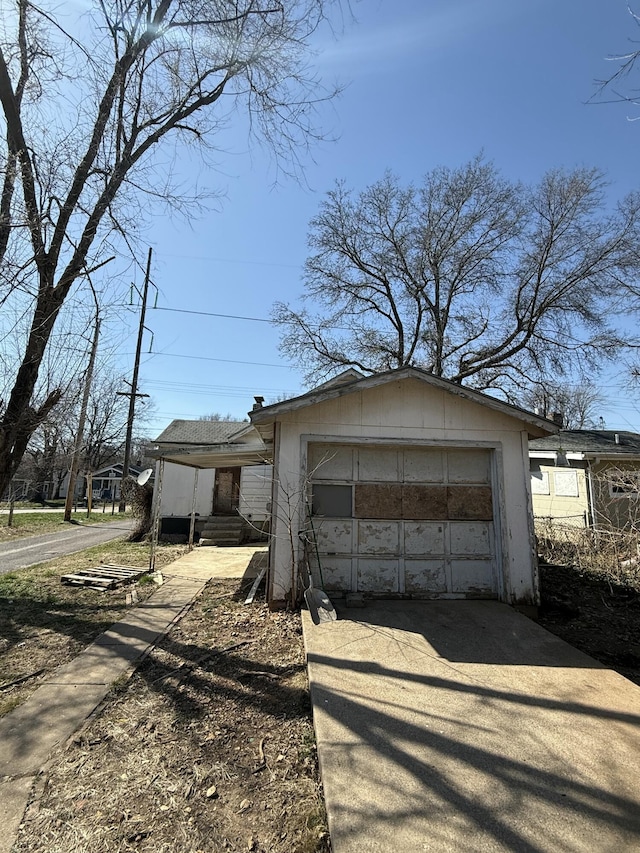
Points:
x=407, y=485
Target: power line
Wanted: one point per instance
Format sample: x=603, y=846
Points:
x=242, y=317
x=211, y=314
x=223, y=360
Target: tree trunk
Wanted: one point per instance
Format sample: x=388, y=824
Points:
x=20, y=419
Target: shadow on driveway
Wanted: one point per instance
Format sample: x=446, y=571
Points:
x=455, y=726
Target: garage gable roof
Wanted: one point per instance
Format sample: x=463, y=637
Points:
x=344, y=384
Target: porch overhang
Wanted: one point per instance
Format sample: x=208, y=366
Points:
x=222, y=456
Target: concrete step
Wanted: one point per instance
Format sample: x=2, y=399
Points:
x=221, y=541
x=222, y=530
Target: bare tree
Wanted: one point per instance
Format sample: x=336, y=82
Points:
x=468, y=275
x=618, y=87
x=91, y=106
x=216, y=417
x=578, y=405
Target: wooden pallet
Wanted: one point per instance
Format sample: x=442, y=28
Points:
x=104, y=577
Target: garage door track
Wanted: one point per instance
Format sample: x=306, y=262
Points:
x=463, y=726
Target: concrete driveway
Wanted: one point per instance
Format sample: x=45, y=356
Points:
x=449, y=726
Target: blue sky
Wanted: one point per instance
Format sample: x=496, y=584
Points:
x=429, y=82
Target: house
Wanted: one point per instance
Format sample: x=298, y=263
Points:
x=216, y=469
x=402, y=484
x=104, y=483
x=586, y=478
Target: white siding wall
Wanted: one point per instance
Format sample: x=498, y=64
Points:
x=255, y=492
x=177, y=490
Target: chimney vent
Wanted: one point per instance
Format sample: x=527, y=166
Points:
x=258, y=403
x=558, y=419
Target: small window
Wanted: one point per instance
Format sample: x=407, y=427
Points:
x=624, y=484
x=566, y=484
x=332, y=500
x=539, y=482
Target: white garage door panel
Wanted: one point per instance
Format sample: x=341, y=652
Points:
x=378, y=537
x=334, y=536
x=473, y=577
x=468, y=538
x=378, y=575
x=423, y=466
x=336, y=573
x=330, y=462
x=424, y=537
x=378, y=465
x=425, y=576
x=468, y=466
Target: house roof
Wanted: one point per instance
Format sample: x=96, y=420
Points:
x=201, y=432
x=347, y=383
x=210, y=444
x=589, y=443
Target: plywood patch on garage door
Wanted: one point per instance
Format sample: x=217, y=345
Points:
x=469, y=502
x=424, y=502
x=378, y=500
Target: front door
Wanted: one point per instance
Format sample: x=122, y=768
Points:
x=226, y=491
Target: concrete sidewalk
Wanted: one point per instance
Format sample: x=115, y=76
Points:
x=450, y=726
x=30, y=733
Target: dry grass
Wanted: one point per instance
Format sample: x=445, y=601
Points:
x=44, y=623
x=611, y=554
x=35, y=523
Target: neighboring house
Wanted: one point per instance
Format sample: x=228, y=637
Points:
x=418, y=487
x=216, y=468
x=586, y=478
x=105, y=483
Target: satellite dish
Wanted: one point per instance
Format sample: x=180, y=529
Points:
x=144, y=476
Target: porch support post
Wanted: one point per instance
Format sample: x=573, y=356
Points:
x=192, y=526
x=156, y=519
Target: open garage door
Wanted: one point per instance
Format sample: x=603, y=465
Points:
x=405, y=520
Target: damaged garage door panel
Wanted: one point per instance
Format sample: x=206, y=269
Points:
x=470, y=503
x=438, y=503
x=420, y=502
x=378, y=501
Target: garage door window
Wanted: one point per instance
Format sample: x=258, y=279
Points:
x=332, y=500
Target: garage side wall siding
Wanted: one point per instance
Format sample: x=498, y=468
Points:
x=393, y=426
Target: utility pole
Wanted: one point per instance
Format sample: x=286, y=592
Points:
x=134, y=385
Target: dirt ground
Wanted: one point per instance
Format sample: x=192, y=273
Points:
x=595, y=614
x=208, y=747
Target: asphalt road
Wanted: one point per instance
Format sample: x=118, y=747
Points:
x=35, y=549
